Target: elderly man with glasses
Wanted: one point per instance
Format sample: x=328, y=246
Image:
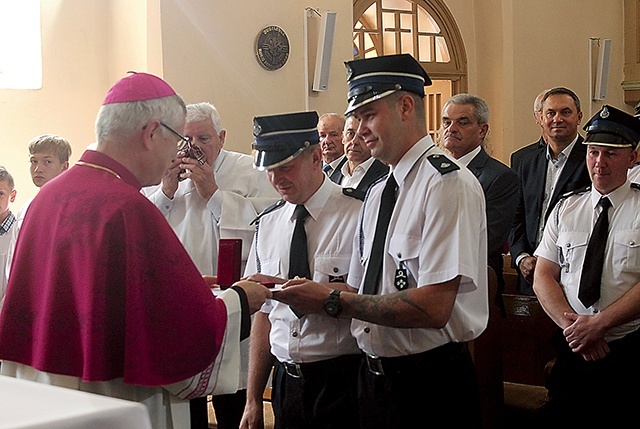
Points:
x=209, y=193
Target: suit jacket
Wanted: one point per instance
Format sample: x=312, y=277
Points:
x=516, y=157
x=336, y=175
x=533, y=172
x=501, y=187
x=375, y=171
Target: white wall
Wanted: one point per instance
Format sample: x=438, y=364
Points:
x=518, y=48
x=209, y=55
x=205, y=49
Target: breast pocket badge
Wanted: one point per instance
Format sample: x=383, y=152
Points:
x=401, y=280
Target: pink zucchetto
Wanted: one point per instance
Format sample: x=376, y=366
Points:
x=138, y=87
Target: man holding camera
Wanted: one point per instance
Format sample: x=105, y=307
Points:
x=208, y=199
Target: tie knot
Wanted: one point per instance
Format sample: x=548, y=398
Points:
x=391, y=182
x=301, y=212
x=605, y=203
x=327, y=168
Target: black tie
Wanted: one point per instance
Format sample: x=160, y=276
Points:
x=374, y=267
x=298, y=255
x=591, y=277
x=327, y=169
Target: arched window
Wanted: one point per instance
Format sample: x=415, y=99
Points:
x=423, y=28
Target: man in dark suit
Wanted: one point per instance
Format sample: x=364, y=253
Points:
x=330, y=127
x=516, y=157
x=361, y=170
x=545, y=175
x=465, y=124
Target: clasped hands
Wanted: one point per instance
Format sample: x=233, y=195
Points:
x=585, y=335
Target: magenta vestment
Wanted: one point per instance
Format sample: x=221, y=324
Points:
x=101, y=287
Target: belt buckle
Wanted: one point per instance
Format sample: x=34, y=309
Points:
x=374, y=364
x=293, y=369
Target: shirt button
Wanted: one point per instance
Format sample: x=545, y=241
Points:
x=632, y=243
x=399, y=255
x=335, y=269
x=294, y=334
x=367, y=330
x=568, y=244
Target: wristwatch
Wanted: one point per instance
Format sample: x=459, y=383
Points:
x=332, y=304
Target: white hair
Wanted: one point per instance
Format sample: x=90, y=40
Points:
x=127, y=119
x=202, y=112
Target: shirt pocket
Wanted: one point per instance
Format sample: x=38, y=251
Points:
x=405, y=251
x=331, y=268
x=572, y=247
x=626, y=250
x=272, y=267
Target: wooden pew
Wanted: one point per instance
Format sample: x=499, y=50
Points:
x=511, y=358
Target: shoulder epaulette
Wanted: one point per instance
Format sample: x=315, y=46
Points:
x=354, y=193
x=443, y=164
x=576, y=191
x=635, y=185
x=273, y=207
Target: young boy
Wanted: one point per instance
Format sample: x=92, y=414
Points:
x=49, y=156
x=8, y=228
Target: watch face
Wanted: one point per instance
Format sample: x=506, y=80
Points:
x=332, y=304
x=331, y=308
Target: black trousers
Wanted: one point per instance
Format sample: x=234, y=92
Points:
x=228, y=408
x=323, y=397
x=434, y=389
x=599, y=392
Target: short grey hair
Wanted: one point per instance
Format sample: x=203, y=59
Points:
x=335, y=116
x=482, y=110
x=126, y=119
x=202, y=112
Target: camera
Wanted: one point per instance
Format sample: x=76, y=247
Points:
x=193, y=152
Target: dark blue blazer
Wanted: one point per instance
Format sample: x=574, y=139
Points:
x=533, y=172
x=501, y=187
x=516, y=157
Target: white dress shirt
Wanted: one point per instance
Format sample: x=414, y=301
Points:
x=565, y=241
x=242, y=193
x=435, y=233
x=352, y=180
x=330, y=230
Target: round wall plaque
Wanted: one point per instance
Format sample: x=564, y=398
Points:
x=272, y=47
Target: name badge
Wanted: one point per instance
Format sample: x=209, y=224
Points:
x=401, y=280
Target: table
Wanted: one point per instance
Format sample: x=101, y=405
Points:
x=27, y=404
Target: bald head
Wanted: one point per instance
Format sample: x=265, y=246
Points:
x=537, y=107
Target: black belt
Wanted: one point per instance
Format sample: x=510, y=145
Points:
x=380, y=365
x=308, y=369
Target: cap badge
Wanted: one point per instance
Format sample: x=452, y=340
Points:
x=605, y=113
x=349, y=72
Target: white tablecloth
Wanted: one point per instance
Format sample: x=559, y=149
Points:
x=27, y=404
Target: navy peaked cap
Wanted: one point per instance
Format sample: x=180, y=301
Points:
x=613, y=127
x=280, y=138
x=374, y=78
